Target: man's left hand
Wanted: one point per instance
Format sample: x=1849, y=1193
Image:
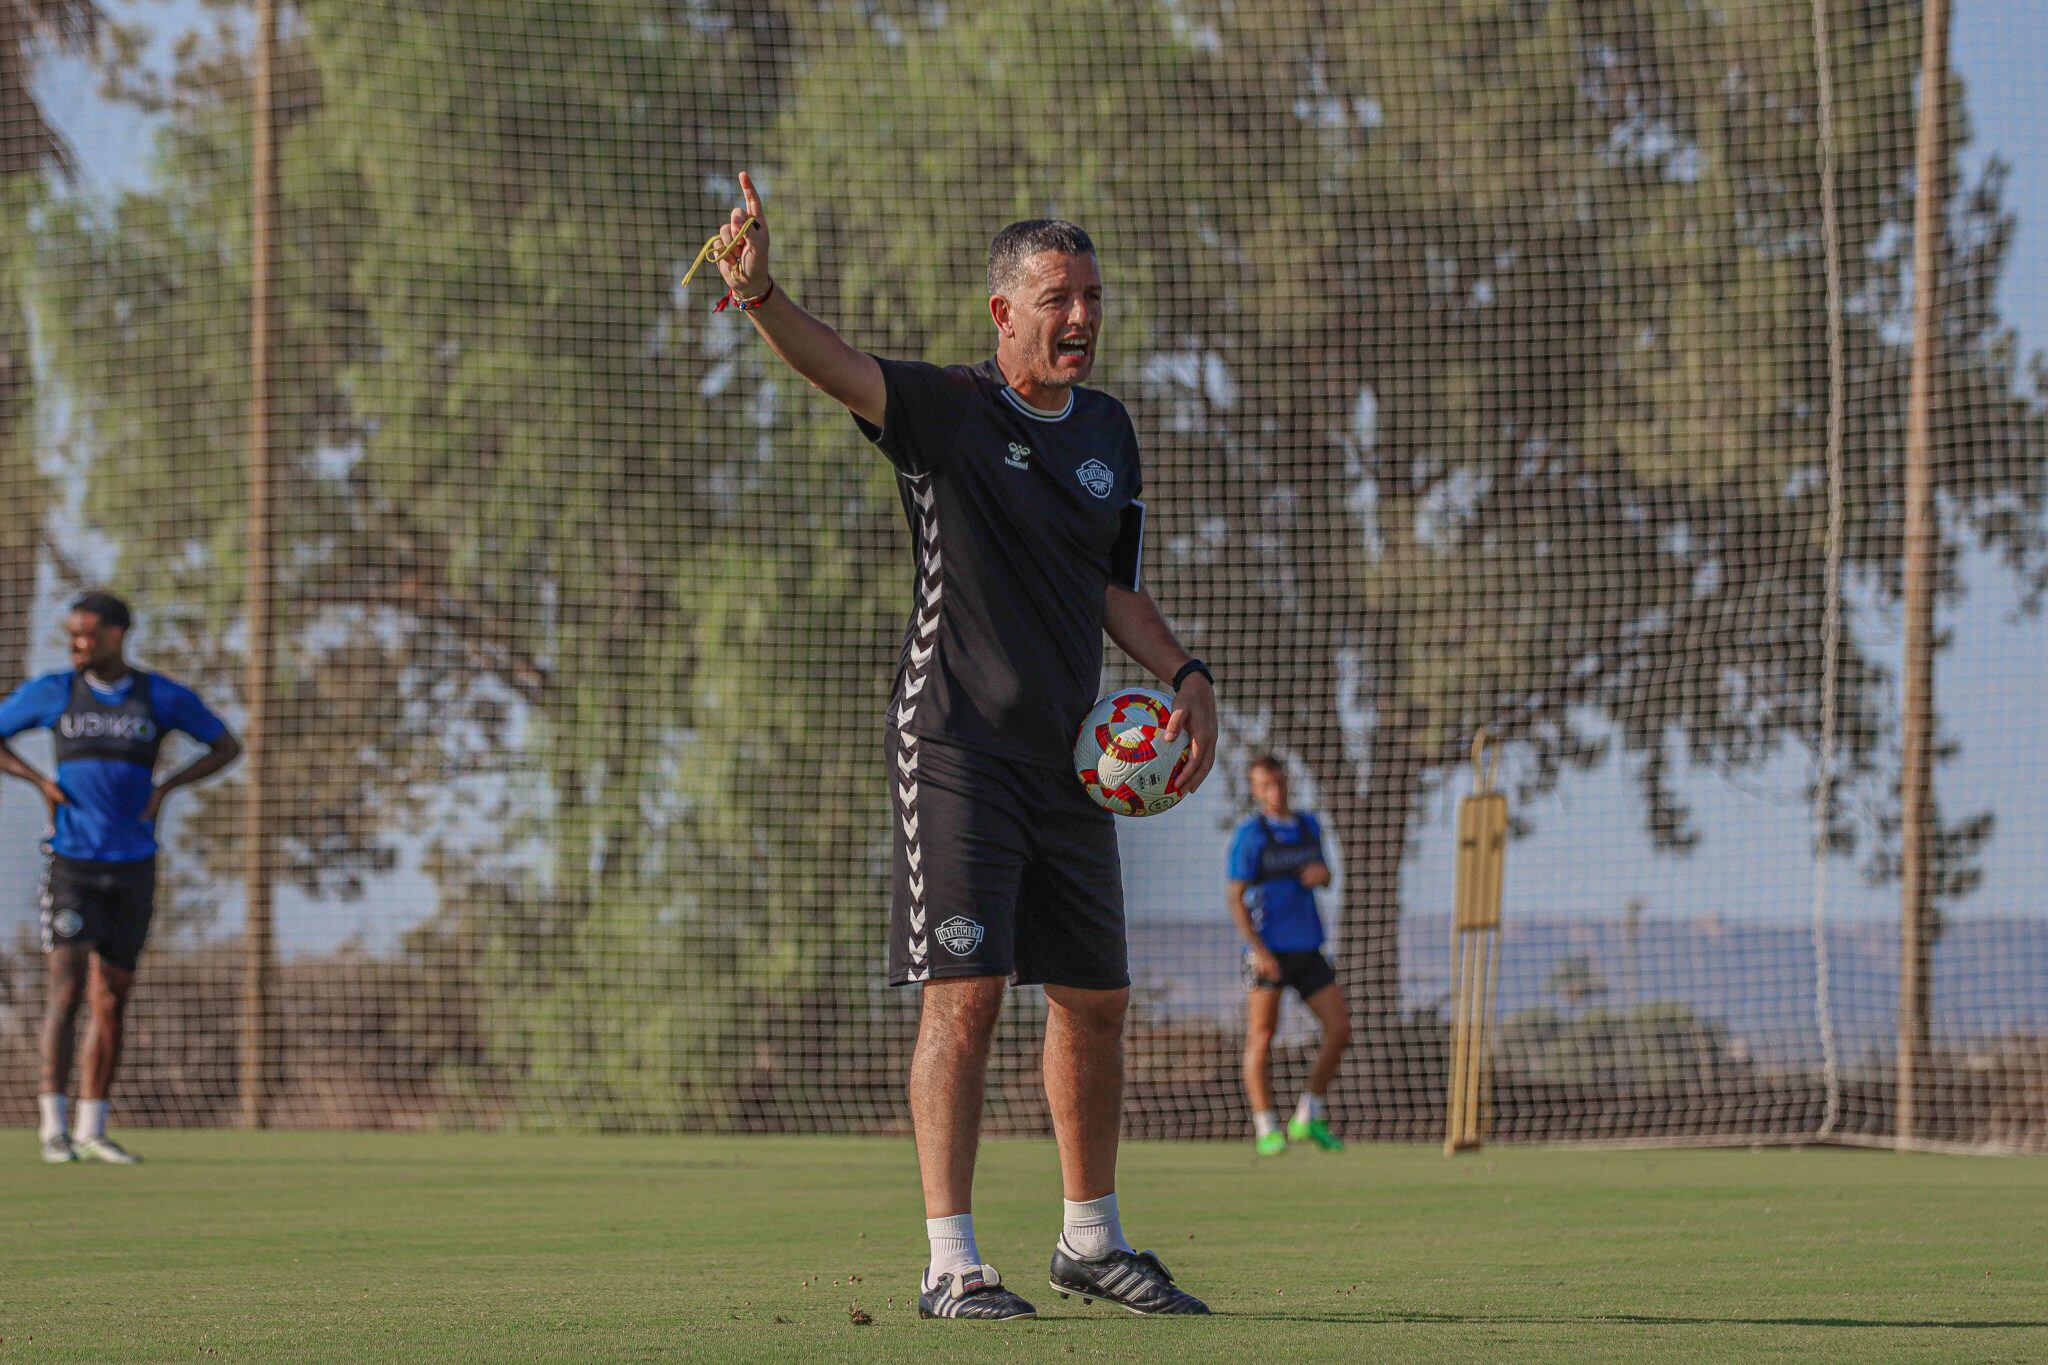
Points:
x=1194, y=710
x=154, y=804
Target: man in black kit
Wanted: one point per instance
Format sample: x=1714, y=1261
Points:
x=1021, y=491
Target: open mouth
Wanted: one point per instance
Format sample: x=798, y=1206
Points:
x=1077, y=347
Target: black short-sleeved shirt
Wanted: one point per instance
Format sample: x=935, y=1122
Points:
x=1018, y=520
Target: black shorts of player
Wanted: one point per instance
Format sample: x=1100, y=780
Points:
x=104, y=905
x=1307, y=972
x=1002, y=869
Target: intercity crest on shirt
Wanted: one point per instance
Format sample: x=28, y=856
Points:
x=1095, y=476
x=959, y=935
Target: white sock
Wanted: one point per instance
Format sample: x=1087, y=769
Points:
x=953, y=1249
x=92, y=1119
x=1265, y=1121
x=1093, y=1229
x=52, y=1108
x=1310, y=1109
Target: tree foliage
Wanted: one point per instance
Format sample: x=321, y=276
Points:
x=1479, y=364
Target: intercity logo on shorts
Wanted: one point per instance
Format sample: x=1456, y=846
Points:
x=67, y=923
x=960, y=935
x=1020, y=456
x=106, y=725
x=1095, y=476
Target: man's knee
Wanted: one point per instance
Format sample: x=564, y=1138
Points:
x=962, y=1011
x=107, y=1006
x=109, y=996
x=1092, y=1012
x=66, y=993
x=63, y=1002
x=1337, y=1031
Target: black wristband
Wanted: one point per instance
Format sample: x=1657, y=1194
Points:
x=1193, y=666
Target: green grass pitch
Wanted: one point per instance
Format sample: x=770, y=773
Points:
x=466, y=1247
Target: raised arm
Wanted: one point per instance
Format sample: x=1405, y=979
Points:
x=804, y=343
x=1134, y=621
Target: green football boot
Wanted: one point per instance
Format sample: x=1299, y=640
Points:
x=1271, y=1144
x=1316, y=1131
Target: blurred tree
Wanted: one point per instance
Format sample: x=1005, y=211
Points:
x=499, y=479
x=1543, y=377
x=30, y=150
x=1479, y=359
x=1480, y=364
x=1576, y=980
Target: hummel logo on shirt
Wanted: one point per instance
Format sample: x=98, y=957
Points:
x=1020, y=456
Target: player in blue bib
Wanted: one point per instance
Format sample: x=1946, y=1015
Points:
x=1276, y=867
x=99, y=878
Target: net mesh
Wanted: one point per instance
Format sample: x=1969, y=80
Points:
x=1480, y=354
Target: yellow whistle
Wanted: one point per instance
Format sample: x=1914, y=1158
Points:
x=714, y=252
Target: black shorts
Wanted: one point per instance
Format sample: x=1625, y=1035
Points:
x=107, y=905
x=1001, y=869
x=1308, y=972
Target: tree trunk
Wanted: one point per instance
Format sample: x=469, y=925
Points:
x=1370, y=805
x=21, y=501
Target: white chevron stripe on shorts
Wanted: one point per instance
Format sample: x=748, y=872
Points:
x=928, y=595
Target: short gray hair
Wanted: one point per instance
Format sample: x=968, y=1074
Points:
x=1019, y=242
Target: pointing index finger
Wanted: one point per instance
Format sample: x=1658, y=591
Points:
x=748, y=193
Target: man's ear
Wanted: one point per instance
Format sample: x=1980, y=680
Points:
x=999, y=310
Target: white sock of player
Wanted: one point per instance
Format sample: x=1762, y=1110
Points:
x=953, y=1249
x=92, y=1119
x=52, y=1108
x=1093, y=1229
x=1310, y=1109
x=1265, y=1121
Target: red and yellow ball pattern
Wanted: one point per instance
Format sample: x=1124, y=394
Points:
x=1125, y=763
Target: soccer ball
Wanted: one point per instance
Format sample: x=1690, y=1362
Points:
x=1124, y=764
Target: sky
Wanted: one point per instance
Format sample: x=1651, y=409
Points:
x=1586, y=854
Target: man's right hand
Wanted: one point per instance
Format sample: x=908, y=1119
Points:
x=1266, y=965
x=53, y=795
x=808, y=346
x=746, y=269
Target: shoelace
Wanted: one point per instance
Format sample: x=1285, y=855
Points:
x=1153, y=1260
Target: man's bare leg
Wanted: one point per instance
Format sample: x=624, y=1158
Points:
x=948, y=1073
x=948, y=1076
x=1332, y=1013
x=66, y=992
x=1084, y=1083
x=109, y=998
x=1262, y=1021
x=65, y=974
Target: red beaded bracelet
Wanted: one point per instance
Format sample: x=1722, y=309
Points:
x=732, y=300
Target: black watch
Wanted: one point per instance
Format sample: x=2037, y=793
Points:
x=1193, y=666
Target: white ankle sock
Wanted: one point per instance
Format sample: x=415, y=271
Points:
x=1265, y=1121
x=92, y=1119
x=953, y=1249
x=1093, y=1229
x=1310, y=1109
x=52, y=1108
